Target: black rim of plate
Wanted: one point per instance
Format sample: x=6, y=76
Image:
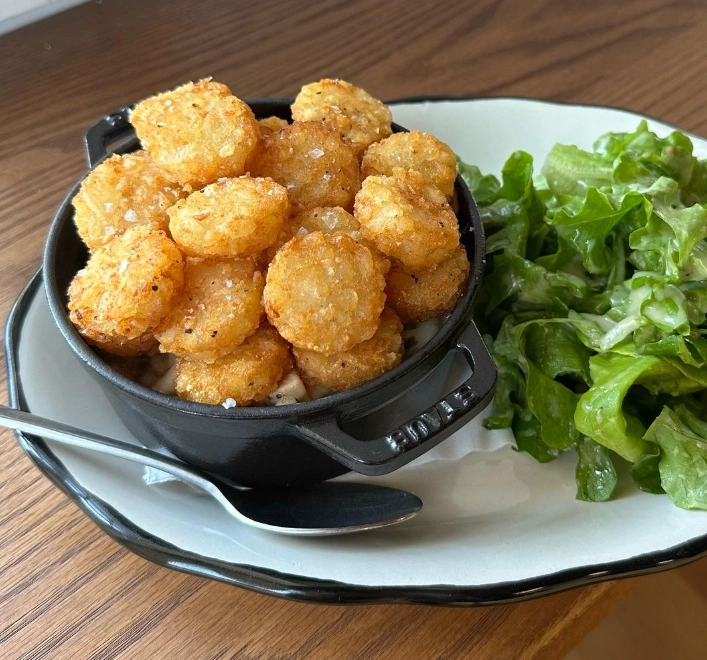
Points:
x=297, y=587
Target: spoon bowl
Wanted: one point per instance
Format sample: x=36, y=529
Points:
x=323, y=509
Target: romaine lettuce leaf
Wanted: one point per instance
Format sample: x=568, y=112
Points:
x=595, y=472
x=589, y=228
x=526, y=430
x=570, y=171
x=641, y=157
x=482, y=186
x=683, y=461
x=600, y=413
x=544, y=351
x=646, y=473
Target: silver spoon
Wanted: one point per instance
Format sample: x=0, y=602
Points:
x=322, y=509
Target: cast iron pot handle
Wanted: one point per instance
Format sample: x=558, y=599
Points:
x=112, y=128
x=422, y=432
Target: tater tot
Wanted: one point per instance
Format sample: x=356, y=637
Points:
x=352, y=112
x=269, y=125
x=312, y=162
x=126, y=348
x=324, y=292
x=198, y=132
x=422, y=295
x=417, y=151
x=122, y=192
x=250, y=373
x=126, y=289
x=328, y=220
x=325, y=219
x=407, y=218
x=363, y=362
x=382, y=262
x=230, y=218
x=219, y=307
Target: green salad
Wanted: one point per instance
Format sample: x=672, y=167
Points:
x=593, y=304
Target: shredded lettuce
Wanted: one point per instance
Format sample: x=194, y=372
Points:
x=594, y=302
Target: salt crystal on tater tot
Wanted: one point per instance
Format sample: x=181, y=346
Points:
x=126, y=289
x=250, y=373
x=198, y=132
x=407, y=218
x=312, y=162
x=424, y=294
x=363, y=362
x=124, y=191
x=219, y=307
x=417, y=151
x=324, y=292
x=230, y=218
x=352, y=112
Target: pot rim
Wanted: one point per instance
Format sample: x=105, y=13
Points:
x=455, y=322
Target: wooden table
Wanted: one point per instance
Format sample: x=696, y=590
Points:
x=66, y=590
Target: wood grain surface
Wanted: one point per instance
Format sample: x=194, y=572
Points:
x=66, y=590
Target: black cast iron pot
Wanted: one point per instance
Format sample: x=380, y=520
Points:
x=372, y=429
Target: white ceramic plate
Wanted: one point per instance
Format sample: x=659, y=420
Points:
x=496, y=525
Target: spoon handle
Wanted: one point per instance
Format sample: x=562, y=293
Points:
x=70, y=435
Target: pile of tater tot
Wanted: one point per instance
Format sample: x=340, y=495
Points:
x=236, y=261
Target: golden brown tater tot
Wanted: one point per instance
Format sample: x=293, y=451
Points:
x=312, y=162
x=324, y=292
x=270, y=125
x=325, y=219
x=363, y=362
x=198, y=132
x=124, y=191
x=250, y=373
x=219, y=307
x=126, y=289
x=230, y=218
x=407, y=218
x=417, y=151
x=126, y=348
x=422, y=295
x=352, y=112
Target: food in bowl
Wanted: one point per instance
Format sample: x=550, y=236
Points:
x=126, y=289
x=197, y=133
x=595, y=306
x=372, y=429
x=360, y=119
x=261, y=254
